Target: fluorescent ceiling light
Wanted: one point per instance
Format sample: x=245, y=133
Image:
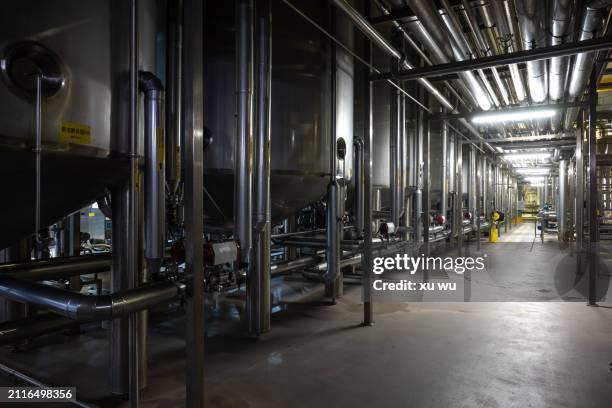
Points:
x=535, y=179
x=533, y=171
x=526, y=156
x=510, y=116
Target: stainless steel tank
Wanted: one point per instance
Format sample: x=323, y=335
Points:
x=300, y=130
x=83, y=120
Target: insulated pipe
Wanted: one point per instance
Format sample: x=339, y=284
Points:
x=485, y=50
x=431, y=20
x=174, y=79
x=243, y=153
x=366, y=28
x=592, y=21
x=462, y=49
x=155, y=180
x=259, y=282
x=421, y=35
x=507, y=40
x=57, y=268
x=359, y=181
x=560, y=32
x=79, y=307
x=530, y=16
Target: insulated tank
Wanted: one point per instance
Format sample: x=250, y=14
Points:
x=84, y=116
x=300, y=121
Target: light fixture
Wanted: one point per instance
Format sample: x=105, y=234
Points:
x=533, y=171
x=526, y=156
x=536, y=180
x=513, y=116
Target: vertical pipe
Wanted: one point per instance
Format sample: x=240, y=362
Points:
x=366, y=266
x=459, y=196
x=472, y=184
x=561, y=210
x=155, y=198
x=259, y=282
x=395, y=142
x=243, y=160
x=444, y=172
x=174, y=80
x=426, y=137
x=359, y=184
x=478, y=208
x=37, y=150
x=579, y=201
x=332, y=250
x=193, y=150
x=594, y=220
x=133, y=213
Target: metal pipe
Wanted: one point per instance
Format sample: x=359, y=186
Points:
x=193, y=107
x=369, y=31
x=57, y=268
x=155, y=180
x=579, y=199
x=259, y=282
x=560, y=32
x=174, y=79
x=366, y=264
x=332, y=246
x=243, y=175
x=485, y=49
x=593, y=199
x=83, y=308
x=359, y=184
x=395, y=155
x=592, y=21
x=418, y=74
x=444, y=172
x=530, y=16
x=430, y=18
x=133, y=207
x=561, y=208
x=16, y=330
x=37, y=150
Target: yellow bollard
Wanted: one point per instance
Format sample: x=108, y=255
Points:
x=493, y=235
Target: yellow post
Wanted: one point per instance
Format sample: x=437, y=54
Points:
x=493, y=234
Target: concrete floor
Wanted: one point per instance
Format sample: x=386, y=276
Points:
x=426, y=354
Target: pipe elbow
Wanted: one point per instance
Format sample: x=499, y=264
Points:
x=149, y=84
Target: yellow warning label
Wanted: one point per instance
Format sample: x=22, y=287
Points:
x=161, y=149
x=74, y=133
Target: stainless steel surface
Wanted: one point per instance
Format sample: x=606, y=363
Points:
x=243, y=151
x=155, y=170
x=193, y=105
x=83, y=308
x=592, y=21
x=93, y=95
x=174, y=102
x=503, y=39
x=561, y=204
x=259, y=283
x=300, y=151
x=359, y=184
x=530, y=15
x=333, y=233
x=55, y=268
x=560, y=32
x=366, y=261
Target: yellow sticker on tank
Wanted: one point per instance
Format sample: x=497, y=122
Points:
x=71, y=132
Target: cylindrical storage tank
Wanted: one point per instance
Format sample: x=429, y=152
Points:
x=84, y=115
x=300, y=122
